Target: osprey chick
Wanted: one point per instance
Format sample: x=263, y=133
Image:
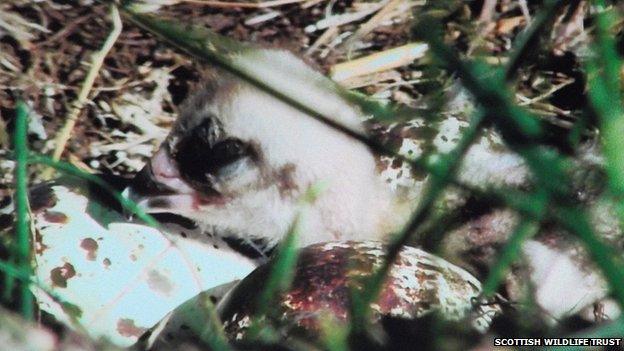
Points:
x=238, y=161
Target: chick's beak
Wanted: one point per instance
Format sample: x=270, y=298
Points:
x=158, y=187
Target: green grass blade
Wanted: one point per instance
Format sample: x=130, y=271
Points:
x=282, y=270
x=282, y=266
x=25, y=277
x=487, y=86
x=22, y=224
x=70, y=169
x=280, y=277
x=213, y=334
x=606, y=99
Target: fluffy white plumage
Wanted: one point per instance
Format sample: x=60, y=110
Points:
x=259, y=195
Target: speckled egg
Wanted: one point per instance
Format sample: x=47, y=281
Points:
x=419, y=283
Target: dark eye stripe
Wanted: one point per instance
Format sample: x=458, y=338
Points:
x=228, y=151
x=197, y=157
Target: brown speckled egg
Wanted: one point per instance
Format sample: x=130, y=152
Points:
x=419, y=283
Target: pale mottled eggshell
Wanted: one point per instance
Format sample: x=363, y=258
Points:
x=419, y=283
x=121, y=278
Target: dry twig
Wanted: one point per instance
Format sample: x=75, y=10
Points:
x=524, y=7
x=487, y=11
x=328, y=35
x=378, y=62
x=97, y=61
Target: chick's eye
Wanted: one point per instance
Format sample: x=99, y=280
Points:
x=227, y=152
x=198, y=161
